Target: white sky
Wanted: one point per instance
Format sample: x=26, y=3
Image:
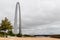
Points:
x=38, y=16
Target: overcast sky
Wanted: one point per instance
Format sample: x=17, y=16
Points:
x=38, y=16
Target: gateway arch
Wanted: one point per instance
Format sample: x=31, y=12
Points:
x=17, y=17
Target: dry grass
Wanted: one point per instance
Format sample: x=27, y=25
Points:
x=28, y=38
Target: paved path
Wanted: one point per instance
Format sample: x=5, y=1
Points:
x=29, y=38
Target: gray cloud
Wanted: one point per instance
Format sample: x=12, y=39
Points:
x=44, y=16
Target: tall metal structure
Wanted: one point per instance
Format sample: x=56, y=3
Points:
x=17, y=11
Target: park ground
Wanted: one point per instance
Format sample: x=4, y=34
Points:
x=28, y=38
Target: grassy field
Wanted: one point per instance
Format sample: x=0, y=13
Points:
x=28, y=38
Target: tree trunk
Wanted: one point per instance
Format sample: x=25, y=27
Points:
x=5, y=34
